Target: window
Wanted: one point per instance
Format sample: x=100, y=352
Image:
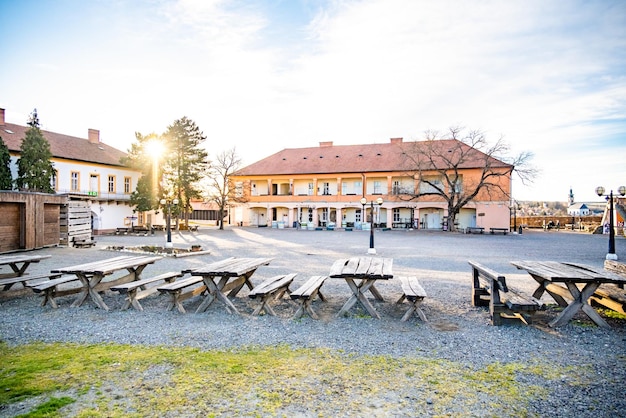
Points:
x=94, y=181
x=311, y=213
x=310, y=189
x=377, y=188
x=324, y=215
x=396, y=214
x=357, y=217
x=239, y=189
x=75, y=181
x=53, y=181
x=127, y=185
x=111, y=182
x=458, y=187
x=358, y=188
x=395, y=187
x=325, y=188
x=430, y=186
x=344, y=188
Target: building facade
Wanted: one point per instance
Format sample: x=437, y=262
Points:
x=323, y=187
x=86, y=169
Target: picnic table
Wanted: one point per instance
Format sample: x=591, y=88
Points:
x=18, y=265
x=365, y=270
x=91, y=275
x=225, y=278
x=569, y=281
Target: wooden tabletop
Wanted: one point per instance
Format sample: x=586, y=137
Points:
x=232, y=267
x=109, y=265
x=557, y=271
x=363, y=268
x=10, y=259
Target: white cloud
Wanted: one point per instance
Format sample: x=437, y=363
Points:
x=542, y=73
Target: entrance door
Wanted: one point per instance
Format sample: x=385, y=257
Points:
x=434, y=220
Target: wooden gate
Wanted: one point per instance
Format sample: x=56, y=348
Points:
x=10, y=223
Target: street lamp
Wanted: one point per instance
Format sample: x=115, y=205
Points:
x=379, y=202
x=600, y=192
x=169, y=204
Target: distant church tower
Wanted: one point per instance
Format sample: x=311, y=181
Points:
x=570, y=199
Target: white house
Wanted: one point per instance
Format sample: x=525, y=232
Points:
x=578, y=209
x=86, y=169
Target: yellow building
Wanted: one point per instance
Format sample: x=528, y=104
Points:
x=323, y=187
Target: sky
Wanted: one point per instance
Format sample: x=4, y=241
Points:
x=549, y=76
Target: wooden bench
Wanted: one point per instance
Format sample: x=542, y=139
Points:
x=474, y=229
x=415, y=294
x=271, y=289
x=138, y=289
x=141, y=230
x=119, y=231
x=609, y=295
x=181, y=290
x=490, y=289
x=503, y=231
x=306, y=293
x=50, y=289
x=81, y=243
x=7, y=283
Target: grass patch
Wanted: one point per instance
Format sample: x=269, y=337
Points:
x=48, y=409
x=610, y=313
x=109, y=380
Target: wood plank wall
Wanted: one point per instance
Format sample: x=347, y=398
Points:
x=29, y=220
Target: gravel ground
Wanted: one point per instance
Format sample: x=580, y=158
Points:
x=455, y=331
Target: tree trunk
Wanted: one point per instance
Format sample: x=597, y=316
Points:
x=451, y=219
x=221, y=217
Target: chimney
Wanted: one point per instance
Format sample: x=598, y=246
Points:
x=1, y=117
x=94, y=136
x=326, y=144
x=396, y=140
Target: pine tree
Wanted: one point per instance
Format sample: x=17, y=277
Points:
x=182, y=163
x=186, y=164
x=6, y=180
x=34, y=168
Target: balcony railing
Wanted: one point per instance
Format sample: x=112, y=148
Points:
x=96, y=195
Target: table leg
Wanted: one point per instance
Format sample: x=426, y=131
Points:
x=215, y=292
x=358, y=293
x=555, y=291
x=376, y=293
x=212, y=290
x=17, y=272
x=580, y=302
x=224, y=298
x=82, y=296
x=95, y=296
x=246, y=281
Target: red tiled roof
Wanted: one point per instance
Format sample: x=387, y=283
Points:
x=64, y=146
x=328, y=159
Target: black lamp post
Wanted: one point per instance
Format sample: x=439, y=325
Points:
x=379, y=202
x=600, y=192
x=168, y=227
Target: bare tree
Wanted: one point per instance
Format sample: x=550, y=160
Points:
x=460, y=164
x=221, y=188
